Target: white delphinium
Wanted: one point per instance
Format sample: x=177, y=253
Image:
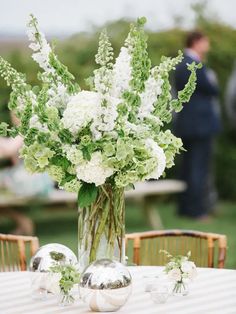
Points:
x=39, y=45
x=81, y=110
x=158, y=153
x=20, y=103
x=94, y=170
x=149, y=95
x=102, y=80
x=106, y=118
x=59, y=96
x=121, y=73
x=41, y=54
x=35, y=123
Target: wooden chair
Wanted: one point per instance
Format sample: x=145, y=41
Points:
x=14, y=250
x=143, y=248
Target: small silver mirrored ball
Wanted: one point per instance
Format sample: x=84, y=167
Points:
x=42, y=279
x=105, y=285
x=48, y=254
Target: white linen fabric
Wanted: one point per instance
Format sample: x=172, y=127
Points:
x=213, y=292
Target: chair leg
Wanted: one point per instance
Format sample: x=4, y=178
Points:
x=152, y=214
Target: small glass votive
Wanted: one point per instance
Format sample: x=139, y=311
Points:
x=150, y=280
x=38, y=290
x=159, y=293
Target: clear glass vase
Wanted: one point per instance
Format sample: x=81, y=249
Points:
x=65, y=299
x=101, y=227
x=180, y=289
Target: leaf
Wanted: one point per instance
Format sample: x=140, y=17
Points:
x=60, y=162
x=86, y=153
x=87, y=194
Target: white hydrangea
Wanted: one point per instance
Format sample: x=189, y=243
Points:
x=81, y=110
x=94, y=171
x=149, y=96
x=73, y=154
x=121, y=73
x=158, y=153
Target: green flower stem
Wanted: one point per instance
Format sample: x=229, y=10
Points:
x=103, y=219
x=179, y=287
x=99, y=232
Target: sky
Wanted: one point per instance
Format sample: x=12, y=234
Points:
x=66, y=17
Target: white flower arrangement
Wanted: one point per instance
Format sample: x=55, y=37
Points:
x=112, y=133
x=180, y=269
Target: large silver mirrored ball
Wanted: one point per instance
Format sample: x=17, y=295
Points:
x=47, y=255
x=105, y=285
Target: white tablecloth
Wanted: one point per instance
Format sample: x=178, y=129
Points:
x=213, y=292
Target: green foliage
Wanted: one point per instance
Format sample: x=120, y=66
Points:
x=87, y=194
x=141, y=64
x=3, y=129
x=69, y=277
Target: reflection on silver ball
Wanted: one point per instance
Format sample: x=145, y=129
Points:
x=42, y=279
x=105, y=285
x=47, y=255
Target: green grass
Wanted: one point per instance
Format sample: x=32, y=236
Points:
x=61, y=225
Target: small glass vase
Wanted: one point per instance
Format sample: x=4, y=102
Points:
x=180, y=289
x=65, y=299
x=101, y=227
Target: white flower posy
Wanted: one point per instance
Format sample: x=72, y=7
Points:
x=179, y=269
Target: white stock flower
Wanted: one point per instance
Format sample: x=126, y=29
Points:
x=81, y=110
x=158, y=153
x=94, y=171
x=121, y=73
x=149, y=96
x=175, y=274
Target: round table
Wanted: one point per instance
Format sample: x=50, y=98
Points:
x=212, y=292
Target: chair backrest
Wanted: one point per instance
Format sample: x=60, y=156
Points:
x=143, y=248
x=14, y=251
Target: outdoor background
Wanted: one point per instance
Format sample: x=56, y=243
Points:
x=166, y=27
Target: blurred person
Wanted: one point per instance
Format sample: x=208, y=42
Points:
x=230, y=99
x=197, y=124
x=16, y=179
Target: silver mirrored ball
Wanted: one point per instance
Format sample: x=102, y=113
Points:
x=47, y=255
x=42, y=279
x=105, y=285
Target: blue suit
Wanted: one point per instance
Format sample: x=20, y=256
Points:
x=196, y=124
